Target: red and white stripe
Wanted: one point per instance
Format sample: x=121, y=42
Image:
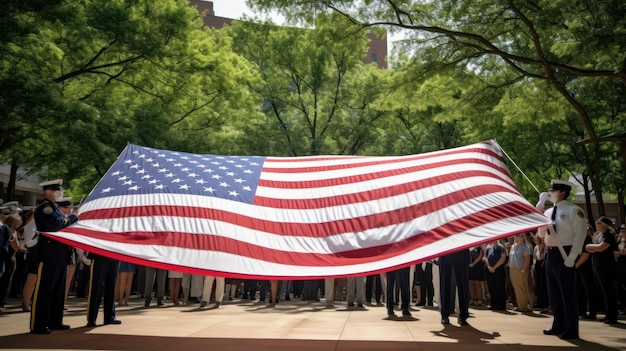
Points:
x=317, y=217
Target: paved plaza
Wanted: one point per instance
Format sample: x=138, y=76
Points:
x=299, y=326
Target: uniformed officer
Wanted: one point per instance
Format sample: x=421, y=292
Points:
x=53, y=258
x=564, y=240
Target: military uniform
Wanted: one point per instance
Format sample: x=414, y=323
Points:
x=52, y=258
x=569, y=231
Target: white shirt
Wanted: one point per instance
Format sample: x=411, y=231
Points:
x=571, y=227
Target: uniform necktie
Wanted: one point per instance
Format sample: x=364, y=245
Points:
x=554, y=218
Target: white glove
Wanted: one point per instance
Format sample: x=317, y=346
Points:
x=543, y=197
x=570, y=261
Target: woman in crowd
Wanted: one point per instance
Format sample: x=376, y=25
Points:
x=476, y=275
x=495, y=257
x=519, y=265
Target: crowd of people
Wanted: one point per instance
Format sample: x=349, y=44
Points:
x=524, y=273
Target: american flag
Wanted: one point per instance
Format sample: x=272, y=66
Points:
x=298, y=217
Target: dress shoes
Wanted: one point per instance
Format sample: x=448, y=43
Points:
x=203, y=304
x=40, y=331
x=463, y=321
x=406, y=314
x=113, y=321
x=60, y=327
x=568, y=336
x=610, y=321
x=91, y=324
x=552, y=332
x=445, y=321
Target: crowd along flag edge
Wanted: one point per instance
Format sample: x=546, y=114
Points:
x=298, y=217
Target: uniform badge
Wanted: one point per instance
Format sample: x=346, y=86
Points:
x=580, y=213
x=48, y=210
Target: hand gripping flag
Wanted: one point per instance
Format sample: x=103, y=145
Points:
x=298, y=217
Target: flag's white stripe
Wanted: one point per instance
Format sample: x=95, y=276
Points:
x=468, y=158
x=379, y=183
x=322, y=161
x=226, y=262
x=291, y=241
x=281, y=215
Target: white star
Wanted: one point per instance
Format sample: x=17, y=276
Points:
x=147, y=176
x=134, y=188
x=223, y=167
x=247, y=171
x=106, y=190
x=192, y=175
x=239, y=166
x=233, y=193
x=184, y=169
x=141, y=171
x=163, y=170
x=184, y=158
x=209, y=189
x=178, y=164
x=142, y=156
x=155, y=164
x=128, y=161
x=253, y=164
x=135, y=166
x=208, y=171
x=224, y=185
x=153, y=181
x=160, y=186
x=184, y=187
x=216, y=176
x=170, y=159
x=232, y=174
x=247, y=188
x=150, y=159
x=177, y=180
x=128, y=182
x=122, y=178
x=239, y=180
x=201, y=166
x=216, y=163
x=169, y=175
x=200, y=181
x=115, y=174
x=230, y=161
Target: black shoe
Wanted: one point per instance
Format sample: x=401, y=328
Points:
x=91, y=324
x=391, y=315
x=552, y=332
x=610, y=321
x=146, y=304
x=406, y=314
x=40, y=331
x=568, y=336
x=360, y=305
x=113, y=321
x=160, y=302
x=463, y=321
x=60, y=327
x=445, y=321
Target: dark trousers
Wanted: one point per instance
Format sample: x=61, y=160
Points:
x=427, y=289
x=562, y=292
x=402, y=275
x=454, y=270
x=49, y=296
x=19, y=276
x=373, y=287
x=496, y=282
x=102, y=284
x=587, y=292
x=541, y=291
x=605, y=278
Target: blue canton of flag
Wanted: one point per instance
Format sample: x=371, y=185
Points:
x=142, y=170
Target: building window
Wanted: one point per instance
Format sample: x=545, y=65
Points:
x=374, y=58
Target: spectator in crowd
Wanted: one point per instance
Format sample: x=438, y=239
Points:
x=495, y=257
x=602, y=251
x=477, y=276
x=588, y=296
x=519, y=269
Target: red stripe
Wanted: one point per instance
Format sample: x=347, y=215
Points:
x=490, y=153
x=362, y=256
x=325, y=229
x=320, y=183
x=370, y=195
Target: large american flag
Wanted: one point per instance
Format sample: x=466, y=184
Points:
x=298, y=217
